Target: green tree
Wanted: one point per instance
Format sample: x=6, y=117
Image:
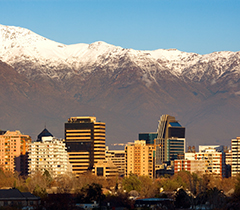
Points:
x=131, y=182
x=148, y=187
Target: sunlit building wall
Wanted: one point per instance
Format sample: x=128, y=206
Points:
x=49, y=154
x=14, y=148
x=235, y=156
x=140, y=158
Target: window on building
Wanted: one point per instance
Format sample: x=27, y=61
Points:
x=100, y=171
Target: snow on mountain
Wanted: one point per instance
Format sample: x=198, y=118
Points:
x=32, y=55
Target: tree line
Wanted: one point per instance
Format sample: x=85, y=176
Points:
x=184, y=188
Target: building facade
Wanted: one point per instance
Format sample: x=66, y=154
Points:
x=14, y=148
x=49, y=154
x=106, y=169
x=140, y=159
x=235, y=144
x=214, y=160
x=118, y=159
x=85, y=140
x=192, y=166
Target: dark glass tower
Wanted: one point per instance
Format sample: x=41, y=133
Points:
x=148, y=137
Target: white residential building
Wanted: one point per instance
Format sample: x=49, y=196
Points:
x=49, y=154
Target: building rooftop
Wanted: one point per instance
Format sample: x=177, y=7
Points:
x=175, y=124
x=16, y=194
x=44, y=133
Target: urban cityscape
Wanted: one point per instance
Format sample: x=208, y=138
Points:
x=83, y=152
x=117, y=105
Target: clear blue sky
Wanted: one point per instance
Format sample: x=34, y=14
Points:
x=201, y=26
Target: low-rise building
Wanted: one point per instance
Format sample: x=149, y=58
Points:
x=192, y=166
x=105, y=168
x=13, y=197
x=118, y=159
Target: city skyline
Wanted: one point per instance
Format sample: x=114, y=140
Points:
x=192, y=26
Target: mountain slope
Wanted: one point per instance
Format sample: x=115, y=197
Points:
x=47, y=82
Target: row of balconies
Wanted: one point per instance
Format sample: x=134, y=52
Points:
x=50, y=167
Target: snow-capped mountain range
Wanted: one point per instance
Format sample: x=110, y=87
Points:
x=58, y=61
x=126, y=88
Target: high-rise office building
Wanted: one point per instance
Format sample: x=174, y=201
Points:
x=170, y=141
x=14, y=151
x=85, y=141
x=140, y=158
x=235, y=156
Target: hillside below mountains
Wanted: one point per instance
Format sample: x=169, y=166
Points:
x=44, y=83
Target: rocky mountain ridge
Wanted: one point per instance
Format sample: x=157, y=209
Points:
x=33, y=55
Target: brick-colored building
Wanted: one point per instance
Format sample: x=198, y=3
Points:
x=192, y=166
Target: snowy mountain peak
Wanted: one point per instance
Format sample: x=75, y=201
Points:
x=44, y=57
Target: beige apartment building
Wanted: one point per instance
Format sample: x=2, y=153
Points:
x=140, y=158
x=14, y=148
x=85, y=141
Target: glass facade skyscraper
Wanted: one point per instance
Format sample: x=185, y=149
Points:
x=170, y=141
